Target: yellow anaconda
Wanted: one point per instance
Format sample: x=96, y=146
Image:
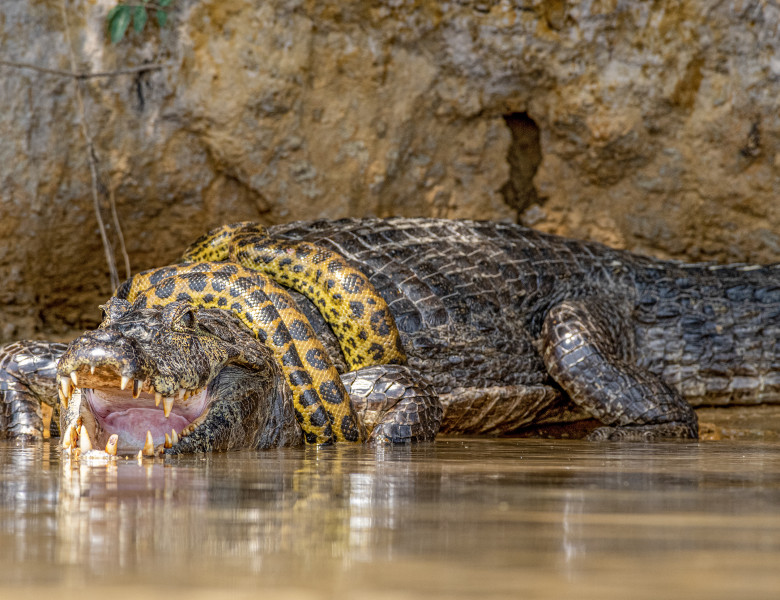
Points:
x=322, y=405
x=358, y=315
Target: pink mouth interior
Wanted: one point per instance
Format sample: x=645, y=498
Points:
x=130, y=418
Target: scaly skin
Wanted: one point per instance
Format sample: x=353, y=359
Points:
x=195, y=379
x=27, y=380
x=357, y=315
x=514, y=327
x=509, y=324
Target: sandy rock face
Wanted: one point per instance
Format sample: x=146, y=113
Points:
x=652, y=127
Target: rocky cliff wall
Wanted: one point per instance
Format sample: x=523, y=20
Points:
x=649, y=126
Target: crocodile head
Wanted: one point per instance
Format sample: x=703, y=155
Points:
x=199, y=376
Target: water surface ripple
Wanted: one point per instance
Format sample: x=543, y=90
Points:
x=460, y=518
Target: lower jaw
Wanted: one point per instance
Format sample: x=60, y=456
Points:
x=132, y=424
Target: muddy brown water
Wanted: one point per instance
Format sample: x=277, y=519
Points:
x=459, y=518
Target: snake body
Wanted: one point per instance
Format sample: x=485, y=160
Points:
x=357, y=314
x=322, y=404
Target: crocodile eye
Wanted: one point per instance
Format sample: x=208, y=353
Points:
x=180, y=317
x=187, y=319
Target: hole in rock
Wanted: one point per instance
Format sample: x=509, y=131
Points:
x=524, y=157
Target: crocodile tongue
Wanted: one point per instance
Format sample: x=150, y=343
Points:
x=133, y=411
x=130, y=418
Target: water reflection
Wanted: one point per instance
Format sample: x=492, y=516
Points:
x=456, y=518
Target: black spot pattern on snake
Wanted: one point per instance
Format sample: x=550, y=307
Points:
x=309, y=398
x=161, y=274
x=379, y=324
x=377, y=351
x=282, y=335
x=300, y=378
x=299, y=330
x=357, y=309
x=268, y=314
x=319, y=418
x=164, y=289
x=349, y=429
x=268, y=310
x=197, y=281
x=330, y=393
x=353, y=284
x=281, y=301
x=316, y=359
x=227, y=270
x=218, y=284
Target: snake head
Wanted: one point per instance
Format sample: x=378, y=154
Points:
x=216, y=245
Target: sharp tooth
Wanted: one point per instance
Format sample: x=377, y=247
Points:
x=85, y=443
x=137, y=385
x=157, y=398
x=174, y=437
x=124, y=382
x=63, y=398
x=149, y=445
x=74, y=378
x=182, y=391
x=187, y=394
x=111, y=444
x=67, y=437
x=167, y=406
x=67, y=390
x=167, y=441
x=140, y=456
x=92, y=369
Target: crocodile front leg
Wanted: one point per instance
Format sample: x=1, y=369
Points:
x=587, y=350
x=28, y=372
x=395, y=403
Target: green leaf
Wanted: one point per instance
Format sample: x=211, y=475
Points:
x=163, y=2
x=112, y=12
x=139, y=18
x=162, y=18
x=117, y=26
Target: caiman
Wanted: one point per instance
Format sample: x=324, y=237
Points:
x=396, y=329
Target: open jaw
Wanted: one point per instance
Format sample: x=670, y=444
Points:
x=124, y=414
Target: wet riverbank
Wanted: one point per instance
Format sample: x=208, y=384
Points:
x=459, y=518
